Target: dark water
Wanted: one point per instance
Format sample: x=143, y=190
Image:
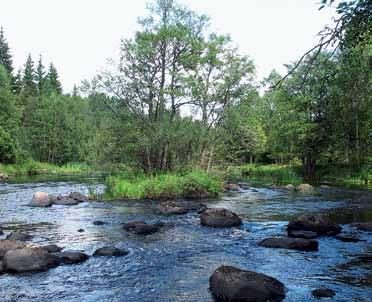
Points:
x=175, y=264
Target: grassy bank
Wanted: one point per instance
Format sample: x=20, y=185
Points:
x=34, y=167
x=193, y=184
x=285, y=174
x=268, y=174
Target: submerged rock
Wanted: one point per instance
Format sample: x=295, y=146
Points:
x=219, y=218
x=1, y=232
x=363, y=226
x=78, y=197
x=172, y=208
x=305, y=188
x=230, y=186
x=141, y=227
x=41, y=199
x=290, y=243
x=71, y=257
x=65, y=201
x=29, y=260
x=347, y=238
x=110, y=251
x=319, y=223
x=302, y=234
x=99, y=222
x=228, y=283
x=81, y=230
x=323, y=293
x=19, y=236
x=51, y=248
x=9, y=245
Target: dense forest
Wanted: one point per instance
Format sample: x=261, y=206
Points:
x=182, y=96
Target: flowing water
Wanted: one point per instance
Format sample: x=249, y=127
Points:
x=176, y=263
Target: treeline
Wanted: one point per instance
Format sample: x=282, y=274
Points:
x=182, y=96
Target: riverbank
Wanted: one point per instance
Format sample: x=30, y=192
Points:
x=286, y=174
x=34, y=168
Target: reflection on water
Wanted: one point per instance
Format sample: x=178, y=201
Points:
x=175, y=264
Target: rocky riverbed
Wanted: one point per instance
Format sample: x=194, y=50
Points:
x=152, y=252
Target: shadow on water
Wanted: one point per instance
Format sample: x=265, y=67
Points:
x=175, y=263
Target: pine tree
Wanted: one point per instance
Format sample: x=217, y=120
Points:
x=40, y=77
x=5, y=56
x=53, y=83
x=29, y=85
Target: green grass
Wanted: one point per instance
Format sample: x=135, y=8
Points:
x=33, y=167
x=268, y=174
x=163, y=186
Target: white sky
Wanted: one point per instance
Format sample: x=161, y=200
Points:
x=80, y=35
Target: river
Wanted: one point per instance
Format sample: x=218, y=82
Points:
x=176, y=263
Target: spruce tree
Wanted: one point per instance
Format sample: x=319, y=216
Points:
x=5, y=56
x=29, y=85
x=17, y=86
x=40, y=77
x=53, y=83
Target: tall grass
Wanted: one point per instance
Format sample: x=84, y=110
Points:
x=271, y=174
x=31, y=167
x=194, y=184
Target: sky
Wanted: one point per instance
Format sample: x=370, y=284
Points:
x=79, y=36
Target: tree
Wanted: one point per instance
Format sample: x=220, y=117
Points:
x=9, y=120
x=40, y=77
x=53, y=84
x=5, y=56
x=29, y=85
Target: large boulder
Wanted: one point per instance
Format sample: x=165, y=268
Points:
x=2, y=268
x=31, y=259
x=305, y=189
x=172, y=208
x=110, y=251
x=9, y=245
x=219, y=218
x=18, y=236
x=290, y=187
x=290, y=243
x=78, y=196
x=141, y=227
x=41, y=199
x=71, y=257
x=319, y=223
x=228, y=283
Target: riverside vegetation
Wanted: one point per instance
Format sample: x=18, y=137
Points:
x=183, y=98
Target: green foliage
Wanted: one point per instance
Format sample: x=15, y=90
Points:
x=163, y=186
x=271, y=174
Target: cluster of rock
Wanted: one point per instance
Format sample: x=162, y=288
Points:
x=43, y=199
x=20, y=257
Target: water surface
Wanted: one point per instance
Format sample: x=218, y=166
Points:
x=176, y=263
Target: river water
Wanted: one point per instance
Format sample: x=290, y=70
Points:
x=176, y=263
